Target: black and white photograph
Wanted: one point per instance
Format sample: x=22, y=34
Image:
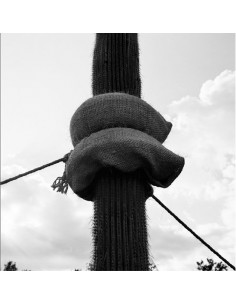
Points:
x=117, y=152
x=129, y=116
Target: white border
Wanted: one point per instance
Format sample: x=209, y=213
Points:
x=117, y=288
x=29, y=16
x=150, y=16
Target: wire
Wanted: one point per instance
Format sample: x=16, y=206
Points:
x=64, y=159
x=194, y=234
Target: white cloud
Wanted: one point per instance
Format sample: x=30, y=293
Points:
x=220, y=90
x=205, y=135
x=203, y=196
x=42, y=229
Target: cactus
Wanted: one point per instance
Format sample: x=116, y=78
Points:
x=118, y=154
x=120, y=224
x=116, y=64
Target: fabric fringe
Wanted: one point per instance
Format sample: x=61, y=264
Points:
x=61, y=183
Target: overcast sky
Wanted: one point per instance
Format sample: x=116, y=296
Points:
x=189, y=78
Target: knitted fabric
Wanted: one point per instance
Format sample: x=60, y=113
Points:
x=117, y=110
x=116, y=64
x=125, y=149
x=119, y=225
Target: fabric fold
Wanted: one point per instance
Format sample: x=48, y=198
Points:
x=124, y=149
x=111, y=110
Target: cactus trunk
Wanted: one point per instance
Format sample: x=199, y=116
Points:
x=116, y=64
x=120, y=224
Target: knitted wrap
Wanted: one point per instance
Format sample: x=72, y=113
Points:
x=117, y=110
x=125, y=149
x=120, y=131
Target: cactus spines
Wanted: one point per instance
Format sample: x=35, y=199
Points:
x=119, y=226
x=116, y=64
x=118, y=153
x=120, y=230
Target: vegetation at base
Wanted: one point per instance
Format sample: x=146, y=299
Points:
x=210, y=265
x=10, y=266
x=152, y=266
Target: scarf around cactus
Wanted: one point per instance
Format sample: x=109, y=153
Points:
x=118, y=155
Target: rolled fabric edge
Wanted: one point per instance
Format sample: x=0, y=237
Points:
x=110, y=110
x=124, y=149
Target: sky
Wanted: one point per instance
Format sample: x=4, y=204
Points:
x=188, y=78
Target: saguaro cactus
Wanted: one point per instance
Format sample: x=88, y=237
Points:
x=118, y=154
x=116, y=64
x=120, y=229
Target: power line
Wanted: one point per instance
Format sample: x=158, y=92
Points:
x=194, y=234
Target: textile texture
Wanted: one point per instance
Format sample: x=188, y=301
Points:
x=125, y=149
x=117, y=110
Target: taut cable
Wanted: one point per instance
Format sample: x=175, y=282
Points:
x=64, y=159
x=194, y=234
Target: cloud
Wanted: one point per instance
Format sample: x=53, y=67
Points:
x=205, y=134
x=45, y=230
x=204, y=194
x=174, y=248
x=220, y=90
x=42, y=229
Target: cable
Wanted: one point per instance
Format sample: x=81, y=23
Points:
x=55, y=185
x=64, y=159
x=194, y=234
